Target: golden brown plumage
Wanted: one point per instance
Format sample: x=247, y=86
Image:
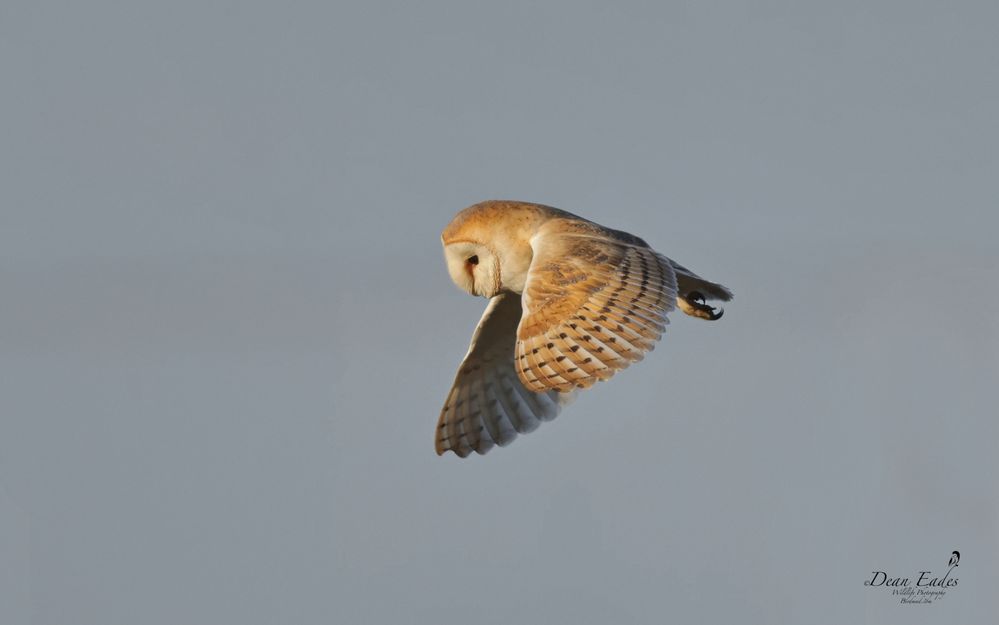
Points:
x=572, y=303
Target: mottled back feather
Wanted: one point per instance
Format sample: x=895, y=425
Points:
x=595, y=301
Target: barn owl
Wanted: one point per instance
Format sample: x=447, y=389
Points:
x=570, y=303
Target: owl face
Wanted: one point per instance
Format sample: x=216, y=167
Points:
x=474, y=267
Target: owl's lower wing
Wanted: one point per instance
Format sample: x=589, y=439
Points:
x=487, y=404
x=595, y=301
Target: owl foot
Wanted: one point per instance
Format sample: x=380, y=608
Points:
x=693, y=304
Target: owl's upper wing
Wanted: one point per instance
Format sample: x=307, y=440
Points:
x=487, y=404
x=595, y=301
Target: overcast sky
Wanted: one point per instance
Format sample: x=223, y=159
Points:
x=226, y=327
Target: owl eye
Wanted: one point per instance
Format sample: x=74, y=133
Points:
x=473, y=260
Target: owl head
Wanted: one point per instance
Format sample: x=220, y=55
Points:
x=474, y=267
x=487, y=245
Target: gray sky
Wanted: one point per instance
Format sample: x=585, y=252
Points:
x=227, y=328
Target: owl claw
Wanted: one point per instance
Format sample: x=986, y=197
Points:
x=693, y=304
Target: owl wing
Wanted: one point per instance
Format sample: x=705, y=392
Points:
x=487, y=404
x=595, y=301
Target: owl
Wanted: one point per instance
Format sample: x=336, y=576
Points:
x=570, y=303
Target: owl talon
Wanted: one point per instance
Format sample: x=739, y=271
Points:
x=693, y=305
